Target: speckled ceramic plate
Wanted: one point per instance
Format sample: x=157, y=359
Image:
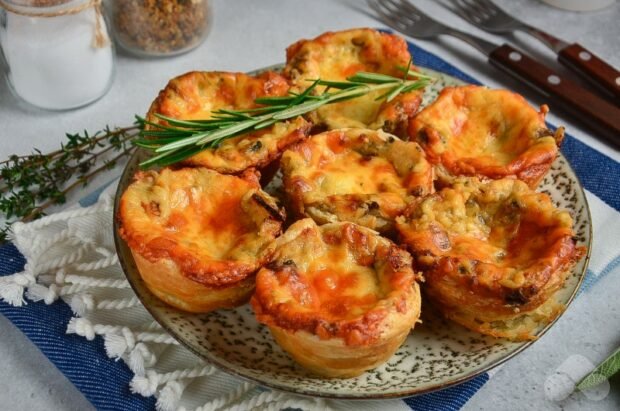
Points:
x=436, y=355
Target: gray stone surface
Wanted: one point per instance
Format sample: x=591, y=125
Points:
x=250, y=34
x=28, y=380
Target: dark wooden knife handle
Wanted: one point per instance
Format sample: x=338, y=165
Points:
x=593, y=111
x=592, y=68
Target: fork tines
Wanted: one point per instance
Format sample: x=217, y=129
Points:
x=482, y=13
x=405, y=17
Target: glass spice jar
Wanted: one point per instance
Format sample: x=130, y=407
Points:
x=153, y=28
x=57, y=53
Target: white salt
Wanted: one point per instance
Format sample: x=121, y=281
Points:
x=52, y=61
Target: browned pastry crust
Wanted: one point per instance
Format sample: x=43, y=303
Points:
x=197, y=235
x=364, y=176
x=165, y=279
x=493, y=253
x=338, y=298
x=195, y=95
x=475, y=131
x=338, y=55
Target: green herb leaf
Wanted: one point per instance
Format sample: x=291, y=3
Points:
x=265, y=124
x=172, y=157
x=300, y=98
x=144, y=122
x=228, y=131
x=178, y=123
x=394, y=92
x=415, y=86
x=264, y=109
x=340, y=85
x=233, y=114
x=372, y=78
x=167, y=133
x=300, y=109
x=181, y=142
x=281, y=101
x=601, y=373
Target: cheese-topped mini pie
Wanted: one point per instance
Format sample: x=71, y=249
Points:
x=475, y=131
x=197, y=236
x=364, y=176
x=338, y=298
x=492, y=253
x=338, y=55
x=195, y=95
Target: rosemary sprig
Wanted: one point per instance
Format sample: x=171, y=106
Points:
x=180, y=139
x=32, y=183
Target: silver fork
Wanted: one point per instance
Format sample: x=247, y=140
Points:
x=406, y=18
x=595, y=112
x=487, y=16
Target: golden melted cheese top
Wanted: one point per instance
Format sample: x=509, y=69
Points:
x=472, y=130
x=196, y=95
x=334, y=272
x=502, y=223
x=198, y=218
x=491, y=252
x=336, y=164
x=338, y=55
x=337, y=281
x=344, y=172
x=352, y=173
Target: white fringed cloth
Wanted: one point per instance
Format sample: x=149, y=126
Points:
x=71, y=255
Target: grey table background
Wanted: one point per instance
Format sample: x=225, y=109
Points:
x=251, y=34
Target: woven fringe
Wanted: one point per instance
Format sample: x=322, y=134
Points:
x=69, y=256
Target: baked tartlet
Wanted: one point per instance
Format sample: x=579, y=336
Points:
x=492, y=253
x=364, y=176
x=197, y=94
x=338, y=298
x=338, y=55
x=476, y=131
x=197, y=236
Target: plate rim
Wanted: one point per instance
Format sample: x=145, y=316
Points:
x=221, y=365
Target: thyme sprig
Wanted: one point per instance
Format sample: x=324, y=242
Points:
x=180, y=139
x=30, y=184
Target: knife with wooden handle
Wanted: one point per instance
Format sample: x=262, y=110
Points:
x=592, y=68
x=581, y=61
x=600, y=115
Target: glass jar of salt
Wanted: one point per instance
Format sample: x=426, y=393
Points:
x=58, y=54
